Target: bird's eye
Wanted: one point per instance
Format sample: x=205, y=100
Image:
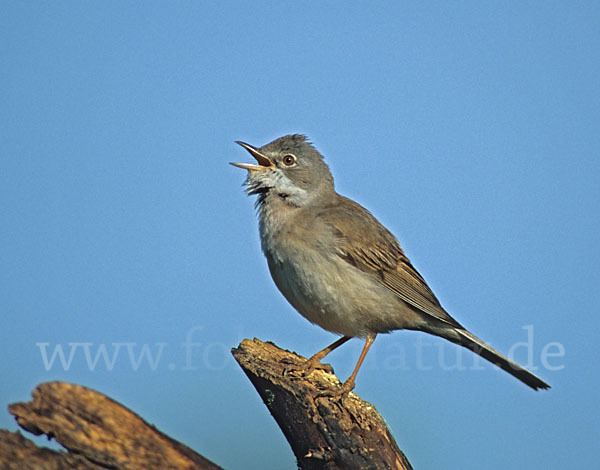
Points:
x=289, y=160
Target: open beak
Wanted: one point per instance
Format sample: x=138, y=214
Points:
x=263, y=161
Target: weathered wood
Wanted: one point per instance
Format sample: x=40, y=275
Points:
x=324, y=432
x=19, y=453
x=98, y=433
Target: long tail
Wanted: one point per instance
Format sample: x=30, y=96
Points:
x=472, y=342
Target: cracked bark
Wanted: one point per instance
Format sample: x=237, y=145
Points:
x=97, y=432
x=324, y=432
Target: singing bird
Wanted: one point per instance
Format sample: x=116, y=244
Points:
x=338, y=265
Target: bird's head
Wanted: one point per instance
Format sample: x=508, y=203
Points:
x=289, y=168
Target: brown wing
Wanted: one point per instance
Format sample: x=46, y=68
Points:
x=367, y=245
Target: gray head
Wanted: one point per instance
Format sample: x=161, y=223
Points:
x=289, y=168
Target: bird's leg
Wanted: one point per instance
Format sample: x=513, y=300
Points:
x=314, y=362
x=348, y=385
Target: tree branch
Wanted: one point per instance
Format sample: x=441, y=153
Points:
x=324, y=433
x=98, y=432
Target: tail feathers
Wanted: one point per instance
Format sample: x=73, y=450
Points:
x=473, y=343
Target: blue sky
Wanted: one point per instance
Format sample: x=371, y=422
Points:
x=469, y=129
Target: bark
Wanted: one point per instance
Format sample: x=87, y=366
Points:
x=324, y=432
x=97, y=432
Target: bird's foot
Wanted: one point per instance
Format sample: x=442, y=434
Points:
x=341, y=391
x=306, y=368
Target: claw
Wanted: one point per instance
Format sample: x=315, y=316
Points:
x=341, y=392
x=306, y=368
x=309, y=367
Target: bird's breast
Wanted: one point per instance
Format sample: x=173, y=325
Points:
x=325, y=289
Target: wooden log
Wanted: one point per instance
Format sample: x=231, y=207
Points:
x=324, y=432
x=100, y=431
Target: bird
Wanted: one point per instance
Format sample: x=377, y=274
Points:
x=337, y=265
